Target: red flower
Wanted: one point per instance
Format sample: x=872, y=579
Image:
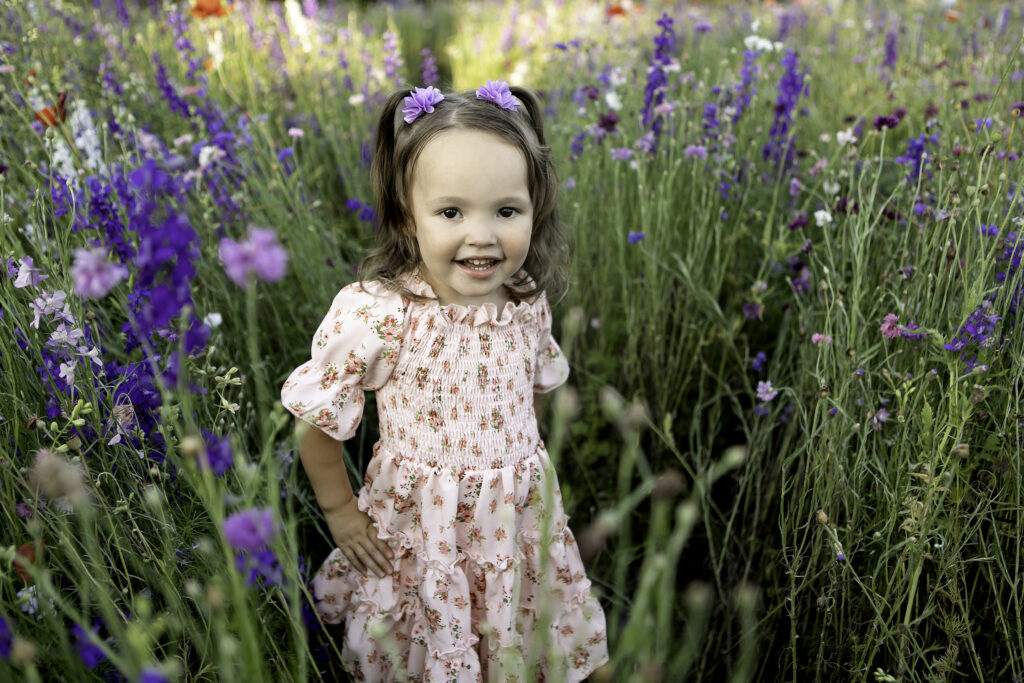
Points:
x=25, y=556
x=210, y=8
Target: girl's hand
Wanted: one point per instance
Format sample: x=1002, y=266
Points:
x=356, y=536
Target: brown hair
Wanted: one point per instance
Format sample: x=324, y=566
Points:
x=397, y=148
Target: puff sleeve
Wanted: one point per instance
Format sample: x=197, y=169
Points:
x=354, y=349
x=552, y=369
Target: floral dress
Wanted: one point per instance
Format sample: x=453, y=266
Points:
x=487, y=579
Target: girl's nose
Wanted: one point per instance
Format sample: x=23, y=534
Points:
x=481, y=232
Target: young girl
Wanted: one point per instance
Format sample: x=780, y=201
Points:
x=456, y=552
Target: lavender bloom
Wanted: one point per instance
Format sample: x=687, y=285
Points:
x=766, y=392
x=635, y=237
x=420, y=101
x=621, y=153
x=260, y=255
x=428, y=67
x=392, y=57
x=779, y=148
x=498, y=92
x=94, y=275
x=654, y=92
x=250, y=530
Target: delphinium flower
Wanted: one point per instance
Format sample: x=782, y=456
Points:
x=90, y=653
x=792, y=85
x=153, y=675
x=635, y=237
x=428, y=67
x=94, y=275
x=710, y=122
x=747, y=87
x=217, y=453
x=251, y=529
x=977, y=330
x=752, y=310
x=1010, y=299
x=916, y=156
x=891, y=52
x=260, y=255
x=261, y=568
x=28, y=274
x=654, y=91
x=757, y=363
x=699, y=151
x=392, y=58
x=621, y=153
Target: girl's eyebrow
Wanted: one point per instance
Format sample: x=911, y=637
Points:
x=509, y=199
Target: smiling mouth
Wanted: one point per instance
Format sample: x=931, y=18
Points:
x=481, y=264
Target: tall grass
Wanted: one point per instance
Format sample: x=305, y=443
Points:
x=863, y=523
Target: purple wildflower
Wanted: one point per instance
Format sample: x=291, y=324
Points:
x=217, y=453
x=28, y=274
x=607, y=121
x=883, y=121
x=766, y=392
x=890, y=330
x=635, y=237
x=779, y=148
x=758, y=362
x=654, y=91
x=748, y=84
x=94, y=275
x=428, y=67
x=916, y=156
x=988, y=230
x=621, y=153
x=5, y=638
x=702, y=27
x=153, y=675
x=699, y=151
x=891, y=51
x=261, y=568
x=420, y=101
x=260, y=255
x=752, y=310
x=250, y=530
x=878, y=419
x=90, y=653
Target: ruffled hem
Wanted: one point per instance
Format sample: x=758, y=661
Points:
x=436, y=604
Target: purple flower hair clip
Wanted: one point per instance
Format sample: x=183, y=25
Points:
x=498, y=92
x=420, y=101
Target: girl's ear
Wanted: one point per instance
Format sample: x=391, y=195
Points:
x=532, y=105
x=384, y=171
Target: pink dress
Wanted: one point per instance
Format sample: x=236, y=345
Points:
x=460, y=486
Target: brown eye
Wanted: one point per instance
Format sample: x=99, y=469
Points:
x=507, y=212
x=450, y=214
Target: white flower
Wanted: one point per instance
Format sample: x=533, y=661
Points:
x=295, y=132
x=209, y=154
x=825, y=137
x=356, y=99
x=617, y=77
x=612, y=99
x=759, y=44
x=181, y=140
x=830, y=187
x=846, y=137
x=67, y=372
x=213, y=320
x=822, y=218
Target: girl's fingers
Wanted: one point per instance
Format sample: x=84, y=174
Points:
x=353, y=559
x=375, y=560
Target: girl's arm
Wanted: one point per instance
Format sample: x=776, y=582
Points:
x=352, y=530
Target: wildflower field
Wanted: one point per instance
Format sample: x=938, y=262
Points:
x=790, y=445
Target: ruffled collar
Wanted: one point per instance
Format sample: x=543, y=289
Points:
x=474, y=314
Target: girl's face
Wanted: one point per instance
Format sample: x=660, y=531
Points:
x=472, y=215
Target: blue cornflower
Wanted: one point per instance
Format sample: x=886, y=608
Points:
x=635, y=237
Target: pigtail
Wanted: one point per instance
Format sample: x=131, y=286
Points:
x=533, y=110
x=551, y=247
x=383, y=171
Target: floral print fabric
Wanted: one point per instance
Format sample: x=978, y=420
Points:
x=460, y=486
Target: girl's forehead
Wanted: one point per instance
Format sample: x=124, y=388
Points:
x=471, y=160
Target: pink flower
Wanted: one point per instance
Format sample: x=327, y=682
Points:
x=94, y=275
x=890, y=330
x=295, y=132
x=818, y=338
x=28, y=274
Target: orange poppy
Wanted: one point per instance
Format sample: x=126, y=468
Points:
x=54, y=116
x=26, y=555
x=615, y=11
x=210, y=8
x=952, y=15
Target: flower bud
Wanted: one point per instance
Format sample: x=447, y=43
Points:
x=821, y=517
